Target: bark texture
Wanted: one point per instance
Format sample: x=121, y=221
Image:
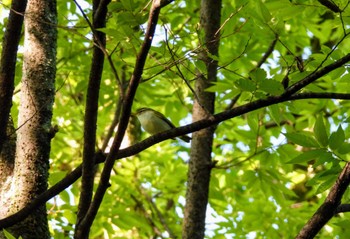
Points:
x=91, y=113
x=201, y=148
x=7, y=77
x=30, y=173
x=103, y=185
x=7, y=159
x=329, y=207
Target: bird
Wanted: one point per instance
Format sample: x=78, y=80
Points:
x=154, y=122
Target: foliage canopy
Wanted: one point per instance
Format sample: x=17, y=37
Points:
x=273, y=165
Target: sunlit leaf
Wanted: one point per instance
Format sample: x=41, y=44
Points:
x=320, y=132
x=308, y=155
x=275, y=113
x=302, y=139
x=325, y=185
x=245, y=85
x=8, y=235
x=270, y=86
x=344, y=148
x=337, y=138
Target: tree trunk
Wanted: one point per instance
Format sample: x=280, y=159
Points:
x=7, y=159
x=8, y=64
x=30, y=173
x=11, y=39
x=91, y=113
x=201, y=148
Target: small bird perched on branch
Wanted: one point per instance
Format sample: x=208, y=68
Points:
x=154, y=122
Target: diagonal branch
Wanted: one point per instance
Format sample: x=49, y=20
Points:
x=329, y=207
x=137, y=148
x=126, y=112
x=315, y=75
x=267, y=53
x=73, y=176
x=330, y=5
x=100, y=9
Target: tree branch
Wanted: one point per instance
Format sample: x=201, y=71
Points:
x=127, y=104
x=330, y=5
x=137, y=148
x=329, y=207
x=100, y=9
x=91, y=112
x=343, y=208
x=268, y=52
x=10, y=43
x=147, y=216
x=42, y=198
x=318, y=95
x=315, y=75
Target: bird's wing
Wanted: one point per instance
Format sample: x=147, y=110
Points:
x=165, y=119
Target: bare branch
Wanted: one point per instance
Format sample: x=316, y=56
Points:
x=343, y=208
x=330, y=5
x=73, y=176
x=8, y=63
x=126, y=111
x=268, y=52
x=148, y=217
x=315, y=75
x=91, y=112
x=137, y=148
x=97, y=40
x=329, y=207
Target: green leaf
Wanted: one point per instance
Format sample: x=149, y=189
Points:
x=323, y=158
x=245, y=85
x=302, y=139
x=253, y=122
x=219, y=86
x=263, y=11
x=129, y=5
x=8, y=235
x=270, y=86
x=65, y=197
x=320, y=132
x=323, y=176
x=275, y=113
x=258, y=75
x=344, y=148
x=222, y=181
x=308, y=155
x=69, y=215
x=337, y=138
x=200, y=65
x=325, y=185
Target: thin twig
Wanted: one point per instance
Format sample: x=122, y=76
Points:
x=172, y=54
x=99, y=43
x=330, y=5
x=228, y=19
x=268, y=52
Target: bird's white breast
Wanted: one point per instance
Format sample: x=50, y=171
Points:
x=151, y=123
